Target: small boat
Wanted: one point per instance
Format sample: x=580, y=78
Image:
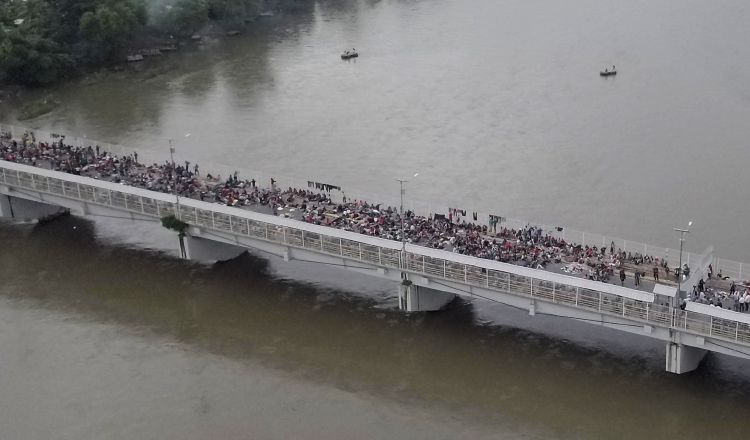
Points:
x=349, y=54
x=134, y=58
x=150, y=52
x=608, y=72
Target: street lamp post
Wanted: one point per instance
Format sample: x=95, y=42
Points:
x=401, y=212
x=679, y=270
x=174, y=173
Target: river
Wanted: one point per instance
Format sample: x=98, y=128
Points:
x=497, y=105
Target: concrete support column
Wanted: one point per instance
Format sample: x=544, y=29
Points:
x=210, y=251
x=683, y=358
x=413, y=298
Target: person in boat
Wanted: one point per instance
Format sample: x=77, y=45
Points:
x=605, y=70
x=613, y=67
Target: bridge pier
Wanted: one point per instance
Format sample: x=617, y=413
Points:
x=683, y=358
x=210, y=251
x=413, y=298
x=21, y=209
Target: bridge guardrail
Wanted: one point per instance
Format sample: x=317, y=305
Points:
x=375, y=251
x=734, y=269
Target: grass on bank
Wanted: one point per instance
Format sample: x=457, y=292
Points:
x=36, y=108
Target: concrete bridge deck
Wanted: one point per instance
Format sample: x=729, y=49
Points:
x=428, y=277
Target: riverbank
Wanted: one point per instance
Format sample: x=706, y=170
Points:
x=158, y=54
x=49, y=45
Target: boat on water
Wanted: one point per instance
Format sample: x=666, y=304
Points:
x=608, y=71
x=348, y=54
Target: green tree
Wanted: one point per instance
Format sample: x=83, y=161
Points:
x=233, y=11
x=105, y=30
x=187, y=16
x=32, y=59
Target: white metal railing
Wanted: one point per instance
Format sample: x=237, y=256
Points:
x=452, y=267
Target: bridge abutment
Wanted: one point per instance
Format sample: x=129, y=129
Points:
x=413, y=298
x=208, y=251
x=683, y=358
x=21, y=209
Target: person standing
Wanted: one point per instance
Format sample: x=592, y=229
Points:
x=622, y=277
x=637, y=277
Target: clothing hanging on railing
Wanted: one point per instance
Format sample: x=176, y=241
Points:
x=322, y=186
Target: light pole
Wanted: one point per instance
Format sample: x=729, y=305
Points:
x=401, y=212
x=174, y=172
x=682, y=241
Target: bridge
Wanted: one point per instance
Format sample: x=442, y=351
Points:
x=427, y=278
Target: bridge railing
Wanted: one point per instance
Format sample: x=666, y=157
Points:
x=534, y=284
x=735, y=270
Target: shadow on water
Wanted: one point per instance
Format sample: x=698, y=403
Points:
x=493, y=373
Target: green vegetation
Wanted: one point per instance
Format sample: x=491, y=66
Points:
x=33, y=109
x=175, y=224
x=43, y=41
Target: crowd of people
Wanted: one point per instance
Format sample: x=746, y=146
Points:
x=720, y=292
x=529, y=246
